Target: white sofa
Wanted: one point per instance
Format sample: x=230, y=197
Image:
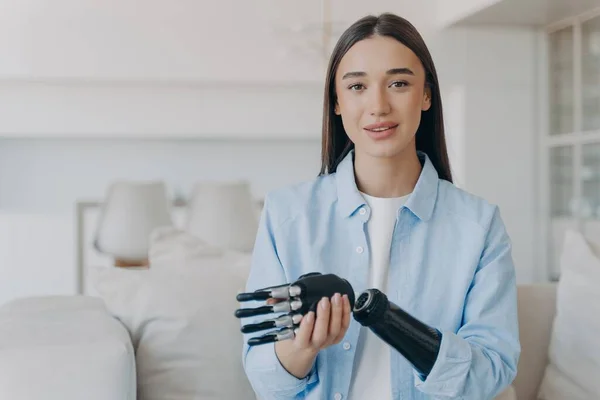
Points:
x=70, y=348
x=64, y=347
x=537, y=308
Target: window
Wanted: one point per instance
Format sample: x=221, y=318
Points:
x=571, y=145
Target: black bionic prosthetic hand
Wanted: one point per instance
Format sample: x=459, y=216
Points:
x=296, y=299
x=416, y=341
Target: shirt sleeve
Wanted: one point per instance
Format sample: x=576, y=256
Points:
x=269, y=379
x=480, y=360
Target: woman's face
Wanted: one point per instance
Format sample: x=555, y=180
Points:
x=380, y=87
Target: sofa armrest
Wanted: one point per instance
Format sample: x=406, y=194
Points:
x=508, y=394
x=537, y=307
x=64, y=347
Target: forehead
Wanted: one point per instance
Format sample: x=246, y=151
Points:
x=378, y=54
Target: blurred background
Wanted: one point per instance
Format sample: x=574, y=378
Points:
x=196, y=94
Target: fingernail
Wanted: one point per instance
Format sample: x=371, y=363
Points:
x=336, y=299
x=324, y=302
x=309, y=317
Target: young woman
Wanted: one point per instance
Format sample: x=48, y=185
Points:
x=384, y=214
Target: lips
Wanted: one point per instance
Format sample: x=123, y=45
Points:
x=380, y=130
x=380, y=126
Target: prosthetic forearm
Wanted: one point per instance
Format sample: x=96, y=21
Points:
x=416, y=341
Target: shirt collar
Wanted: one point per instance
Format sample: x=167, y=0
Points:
x=421, y=202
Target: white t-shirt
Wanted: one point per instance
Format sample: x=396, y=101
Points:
x=371, y=375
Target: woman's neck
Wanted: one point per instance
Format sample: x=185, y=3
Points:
x=387, y=176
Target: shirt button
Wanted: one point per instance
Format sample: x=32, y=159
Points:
x=337, y=396
x=346, y=346
x=362, y=211
x=359, y=250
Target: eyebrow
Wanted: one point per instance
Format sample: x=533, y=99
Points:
x=393, y=71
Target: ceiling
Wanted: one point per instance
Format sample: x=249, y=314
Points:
x=529, y=12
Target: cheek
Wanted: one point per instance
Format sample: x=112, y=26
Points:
x=352, y=114
x=351, y=123
x=409, y=111
x=410, y=108
x=413, y=103
x=350, y=107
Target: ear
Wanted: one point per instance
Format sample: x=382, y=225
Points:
x=336, y=109
x=426, y=98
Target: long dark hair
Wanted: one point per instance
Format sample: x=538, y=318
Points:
x=430, y=137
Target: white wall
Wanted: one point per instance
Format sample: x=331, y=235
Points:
x=37, y=254
x=48, y=175
x=183, y=40
x=449, y=12
x=160, y=110
x=503, y=136
x=489, y=79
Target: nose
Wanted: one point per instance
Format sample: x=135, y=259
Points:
x=379, y=104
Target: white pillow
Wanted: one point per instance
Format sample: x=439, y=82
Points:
x=179, y=313
x=573, y=371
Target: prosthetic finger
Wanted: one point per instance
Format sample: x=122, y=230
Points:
x=416, y=341
x=282, y=334
x=275, y=292
x=284, y=306
x=288, y=321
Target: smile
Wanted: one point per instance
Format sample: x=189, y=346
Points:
x=380, y=130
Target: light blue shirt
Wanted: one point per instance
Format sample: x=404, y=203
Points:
x=450, y=266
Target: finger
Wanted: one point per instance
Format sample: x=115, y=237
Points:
x=321, y=329
x=335, y=322
x=302, y=339
x=347, y=316
x=347, y=312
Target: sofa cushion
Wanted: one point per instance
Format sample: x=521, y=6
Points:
x=573, y=368
x=180, y=314
x=64, y=347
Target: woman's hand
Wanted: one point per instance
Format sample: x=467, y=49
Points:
x=315, y=334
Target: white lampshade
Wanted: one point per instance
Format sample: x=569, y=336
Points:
x=131, y=211
x=223, y=214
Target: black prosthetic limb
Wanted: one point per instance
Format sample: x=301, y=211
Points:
x=296, y=299
x=416, y=341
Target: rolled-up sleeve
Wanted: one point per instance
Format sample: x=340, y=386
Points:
x=269, y=379
x=480, y=360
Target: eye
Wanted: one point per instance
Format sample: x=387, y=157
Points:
x=399, y=84
x=356, y=87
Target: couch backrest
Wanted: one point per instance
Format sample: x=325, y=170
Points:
x=537, y=306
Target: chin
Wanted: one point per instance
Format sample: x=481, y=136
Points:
x=383, y=151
